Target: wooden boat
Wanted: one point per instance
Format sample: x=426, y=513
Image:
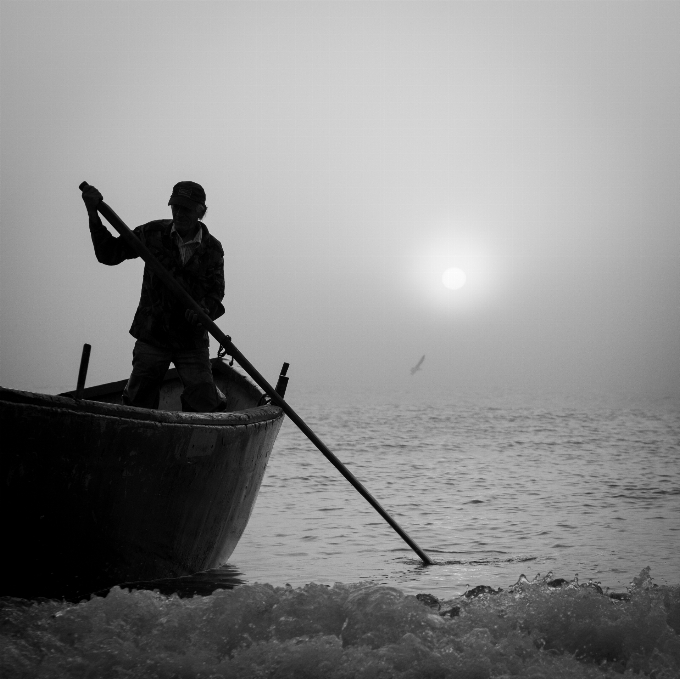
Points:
x=95, y=493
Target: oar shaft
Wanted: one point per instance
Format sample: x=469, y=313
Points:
x=353, y=480
x=134, y=242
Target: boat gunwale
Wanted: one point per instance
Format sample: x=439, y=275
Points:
x=263, y=413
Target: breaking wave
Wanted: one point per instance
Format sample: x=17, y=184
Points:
x=545, y=628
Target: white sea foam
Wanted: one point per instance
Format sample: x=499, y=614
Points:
x=530, y=630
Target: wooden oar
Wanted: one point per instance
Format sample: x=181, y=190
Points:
x=134, y=242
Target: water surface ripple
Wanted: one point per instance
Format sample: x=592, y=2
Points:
x=489, y=490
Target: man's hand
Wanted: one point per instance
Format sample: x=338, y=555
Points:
x=192, y=317
x=92, y=198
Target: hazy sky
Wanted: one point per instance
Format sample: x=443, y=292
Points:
x=351, y=152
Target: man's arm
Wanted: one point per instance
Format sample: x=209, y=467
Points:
x=212, y=302
x=109, y=250
x=215, y=293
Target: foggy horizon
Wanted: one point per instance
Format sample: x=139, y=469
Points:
x=351, y=153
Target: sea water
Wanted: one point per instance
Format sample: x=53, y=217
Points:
x=489, y=488
x=553, y=525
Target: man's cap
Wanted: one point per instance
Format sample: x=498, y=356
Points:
x=187, y=194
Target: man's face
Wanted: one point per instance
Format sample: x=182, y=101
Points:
x=185, y=218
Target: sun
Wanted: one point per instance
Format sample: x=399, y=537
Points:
x=454, y=278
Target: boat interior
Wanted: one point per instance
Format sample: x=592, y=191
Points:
x=240, y=393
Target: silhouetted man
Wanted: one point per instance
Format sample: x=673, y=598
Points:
x=164, y=329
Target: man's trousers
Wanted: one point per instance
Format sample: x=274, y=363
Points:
x=149, y=365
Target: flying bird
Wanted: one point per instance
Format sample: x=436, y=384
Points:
x=417, y=367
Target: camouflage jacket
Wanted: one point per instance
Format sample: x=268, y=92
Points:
x=159, y=319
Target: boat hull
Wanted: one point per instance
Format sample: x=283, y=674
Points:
x=98, y=493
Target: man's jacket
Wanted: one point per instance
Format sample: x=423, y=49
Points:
x=159, y=319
